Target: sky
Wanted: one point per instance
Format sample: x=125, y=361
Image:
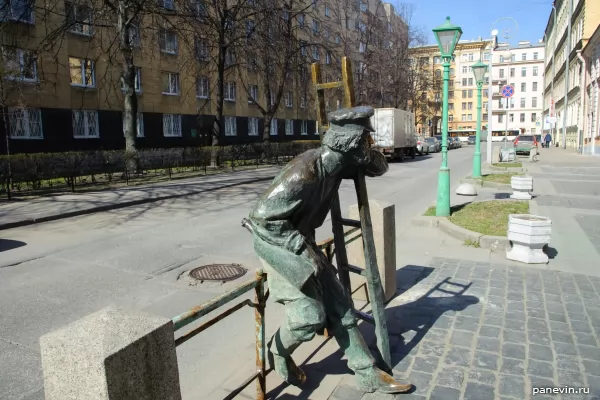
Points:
x=477, y=17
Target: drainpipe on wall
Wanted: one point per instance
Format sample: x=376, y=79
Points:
x=568, y=66
x=582, y=92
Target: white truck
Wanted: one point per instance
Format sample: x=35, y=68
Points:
x=394, y=134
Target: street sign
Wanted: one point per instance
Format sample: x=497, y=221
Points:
x=551, y=120
x=552, y=108
x=508, y=91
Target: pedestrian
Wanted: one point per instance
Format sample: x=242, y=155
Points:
x=548, y=139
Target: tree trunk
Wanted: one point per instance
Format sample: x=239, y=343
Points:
x=130, y=105
x=218, y=123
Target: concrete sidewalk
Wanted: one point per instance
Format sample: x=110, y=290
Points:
x=26, y=212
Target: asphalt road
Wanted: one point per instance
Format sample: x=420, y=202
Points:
x=61, y=271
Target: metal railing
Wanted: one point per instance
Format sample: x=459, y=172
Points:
x=259, y=304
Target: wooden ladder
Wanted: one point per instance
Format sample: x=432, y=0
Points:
x=371, y=272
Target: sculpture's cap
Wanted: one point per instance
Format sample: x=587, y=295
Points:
x=353, y=117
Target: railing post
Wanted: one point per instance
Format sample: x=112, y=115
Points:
x=259, y=314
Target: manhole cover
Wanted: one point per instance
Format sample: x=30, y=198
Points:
x=218, y=272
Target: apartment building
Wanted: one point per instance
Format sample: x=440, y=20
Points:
x=521, y=67
x=462, y=91
x=68, y=96
x=591, y=101
x=571, y=24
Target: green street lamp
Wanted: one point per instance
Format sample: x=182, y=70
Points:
x=479, y=70
x=447, y=36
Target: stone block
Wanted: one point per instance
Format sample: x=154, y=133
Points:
x=383, y=218
x=466, y=189
x=529, y=234
x=522, y=187
x=111, y=354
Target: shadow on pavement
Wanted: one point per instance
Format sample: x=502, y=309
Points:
x=407, y=326
x=7, y=244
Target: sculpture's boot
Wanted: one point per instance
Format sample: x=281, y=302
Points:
x=281, y=346
x=361, y=361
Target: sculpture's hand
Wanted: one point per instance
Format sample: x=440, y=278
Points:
x=318, y=260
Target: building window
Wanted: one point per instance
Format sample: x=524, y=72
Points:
x=523, y=56
x=470, y=81
x=470, y=105
x=202, y=88
x=463, y=117
x=79, y=19
x=533, y=117
x=201, y=49
x=137, y=81
x=304, y=127
x=85, y=124
x=230, y=91
x=250, y=28
x=485, y=117
x=200, y=8
x=523, y=71
x=274, y=127
x=523, y=100
x=512, y=58
x=486, y=93
x=512, y=72
x=464, y=105
x=327, y=58
x=17, y=10
x=522, y=117
x=533, y=131
x=464, y=93
x=523, y=87
x=501, y=58
x=20, y=64
x=289, y=127
x=252, y=93
x=511, y=117
x=25, y=123
x=470, y=117
x=535, y=71
x=230, y=126
x=139, y=127
x=229, y=58
x=315, y=27
x=327, y=10
x=535, y=55
x=170, y=83
x=486, y=56
x=470, y=93
x=271, y=98
x=464, y=81
x=451, y=94
x=500, y=118
x=82, y=72
x=167, y=4
x=512, y=102
x=501, y=72
x=362, y=47
x=171, y=125
x=168, y=41
x=437, y=60
x=315, y=53
x=534, y=102
x=289, y=99
x=534, y=87
x=470, y=56
x=450, y=118
x=450, y=106
x=303, y=102
x=464, y=70
x=135, y=39
x=300, y=18
x=252, y=126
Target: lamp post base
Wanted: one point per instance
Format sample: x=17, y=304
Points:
x=476, y=165
x=442, y=208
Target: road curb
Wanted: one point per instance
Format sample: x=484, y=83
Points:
x=117, y=206
x=482, y=183
x=494, y=243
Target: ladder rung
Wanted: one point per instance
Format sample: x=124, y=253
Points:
x=329, y=85
x=356, y=270
x=351, y=222
x=364, y=316
x=448, y=291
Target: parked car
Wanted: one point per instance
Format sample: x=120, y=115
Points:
x=422, y=146
x=525, y=143
x=457, y=143
x=471, y=140
x=434, y=144
x=451, y=145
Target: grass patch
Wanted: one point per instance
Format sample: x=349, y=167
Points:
x=488, y=217
x=471, y=243
x=430, y=212
x=499, y=178
x=509, y=165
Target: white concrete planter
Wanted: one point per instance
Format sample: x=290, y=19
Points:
x=528, y=234
x=522, y=187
